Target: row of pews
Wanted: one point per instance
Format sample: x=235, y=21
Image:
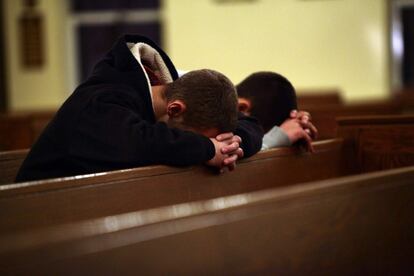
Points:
x=346, y=209
x=19, y=130
x=368, y=139
x=355, y=225
x=326, y=106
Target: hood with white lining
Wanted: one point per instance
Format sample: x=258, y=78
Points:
x=144, y=52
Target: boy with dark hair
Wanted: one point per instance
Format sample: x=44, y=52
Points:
x=271, y=98
x=268, y=96
x=134, y=111
x=212, y=105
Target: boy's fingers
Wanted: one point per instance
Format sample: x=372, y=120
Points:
x=224, y=136
x=237, y=138
x=305, y=119
x=240, y=153
x=230, y=160
x=232, y=166
x=308, y=140
x=310, y=129
x=304, y=114
x=293, y=113
x=314, y=131
x=230, y=148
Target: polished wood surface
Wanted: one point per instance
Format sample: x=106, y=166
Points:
x=10, y=162
x=379, y=142
x=19, y=130
x=399, y=138
x=15, y=132
x=121, y=221
x=27, y=205
x=326, y=105
x=371, y=143
x=357, y=225
x=324, y=116
x=312, y=98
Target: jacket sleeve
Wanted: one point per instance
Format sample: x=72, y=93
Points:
x=251, y=133
x=109, y=134
x=275, y=137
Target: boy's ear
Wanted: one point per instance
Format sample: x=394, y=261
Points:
x=245, y=105
x=176, y=108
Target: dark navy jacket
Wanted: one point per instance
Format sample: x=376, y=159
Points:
x=108, y=123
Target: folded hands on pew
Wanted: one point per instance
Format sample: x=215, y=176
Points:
x=228, y=151
x=299, y=128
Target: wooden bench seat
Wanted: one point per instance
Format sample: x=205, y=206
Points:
x=343, y=128
x=356, y=225
x=379, y=142
x=324, y=116
x=10, y=162
x=27, y=205
x=88, y=220
x=313, y=98
x=19, y=130
x=81, y=197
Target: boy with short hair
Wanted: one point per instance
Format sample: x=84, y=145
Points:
x=134, y=111
x=271, y=98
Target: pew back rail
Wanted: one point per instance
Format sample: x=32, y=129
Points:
x=73, y=198
x=355, y=225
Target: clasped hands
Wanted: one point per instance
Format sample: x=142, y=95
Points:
x=300, y=128
x=228, y=151
x=227, y=145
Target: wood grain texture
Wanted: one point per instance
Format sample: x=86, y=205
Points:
x=121, y=223
x=19, y=130
x=324, y=116
x=10, y=162
x=358, y=225
x=311, y=98
x=28, y=205
x=371, y=143
x=380, y=142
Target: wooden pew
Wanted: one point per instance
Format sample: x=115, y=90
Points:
x=405, y=97
x=19, y=130
x=82, y=197
x=326, y=105
x=324, y=116
x=311, y=99
x=15, y=132
x=10, y=162
x=357, y=225
x=379, y=142
x=399, y=138
x=28, y=205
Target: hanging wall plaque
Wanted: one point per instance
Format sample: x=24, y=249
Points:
x=31, y=36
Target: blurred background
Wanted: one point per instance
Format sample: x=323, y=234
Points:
x=361, y=49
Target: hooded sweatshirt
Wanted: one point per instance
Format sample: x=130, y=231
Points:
x=108, y=122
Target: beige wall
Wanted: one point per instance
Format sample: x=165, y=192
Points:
x=45, y=87
x=330, y=43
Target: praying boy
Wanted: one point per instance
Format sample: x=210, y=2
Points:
x=135, y=111
x=271, y=98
